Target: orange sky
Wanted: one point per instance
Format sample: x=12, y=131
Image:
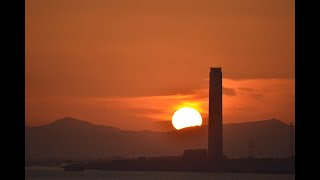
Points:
x=128, y=63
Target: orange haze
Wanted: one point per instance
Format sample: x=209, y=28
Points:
x=129, y=63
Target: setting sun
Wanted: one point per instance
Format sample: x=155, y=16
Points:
x=186, y=117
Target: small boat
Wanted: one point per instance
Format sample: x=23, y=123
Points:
x=73, y=167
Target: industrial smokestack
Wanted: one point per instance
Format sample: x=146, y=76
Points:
x=215, y=146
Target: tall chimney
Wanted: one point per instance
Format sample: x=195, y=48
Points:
x=215, y=147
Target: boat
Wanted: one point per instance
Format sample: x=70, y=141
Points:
x=73, y=167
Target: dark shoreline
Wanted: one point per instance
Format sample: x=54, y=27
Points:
x=255, y=166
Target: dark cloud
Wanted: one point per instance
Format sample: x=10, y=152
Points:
x=246, y=89
x=200, y=95
x=175, y=90
x=253, y=92
x=143, y=111
x=228, y=91
x=256, y=95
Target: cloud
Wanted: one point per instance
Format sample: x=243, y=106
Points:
x=260, y=99
x=228, y=91
x=257, y=96
x=246, y=89
x=253, y=92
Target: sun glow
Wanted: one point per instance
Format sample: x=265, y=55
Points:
x=186, y=117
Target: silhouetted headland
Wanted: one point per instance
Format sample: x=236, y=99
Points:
x=72, y=139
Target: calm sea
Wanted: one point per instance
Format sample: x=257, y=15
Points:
x=46, y=173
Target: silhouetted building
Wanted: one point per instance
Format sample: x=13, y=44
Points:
x=215, y=147
x=194, y=154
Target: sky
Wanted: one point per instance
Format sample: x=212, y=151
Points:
x=131, y=63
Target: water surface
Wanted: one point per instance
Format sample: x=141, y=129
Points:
x=51, y=173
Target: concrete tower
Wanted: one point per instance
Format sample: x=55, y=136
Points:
x=215, y=147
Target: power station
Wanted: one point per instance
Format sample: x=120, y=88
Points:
x=215, y=141
x=215, y=138
x=201, y=160
x=214, y=153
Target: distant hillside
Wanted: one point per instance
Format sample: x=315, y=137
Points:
x=70, y=138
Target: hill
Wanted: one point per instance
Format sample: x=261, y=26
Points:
x=70, y=138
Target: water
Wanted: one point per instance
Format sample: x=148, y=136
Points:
x=52, y=173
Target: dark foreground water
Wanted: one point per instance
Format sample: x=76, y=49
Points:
x=46, y=173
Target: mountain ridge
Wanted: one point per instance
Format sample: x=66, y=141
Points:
x=72, y=139
x=73, y=121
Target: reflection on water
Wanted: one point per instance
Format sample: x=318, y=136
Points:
x=46, y=173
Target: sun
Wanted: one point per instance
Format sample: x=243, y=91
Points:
x=186, y=117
